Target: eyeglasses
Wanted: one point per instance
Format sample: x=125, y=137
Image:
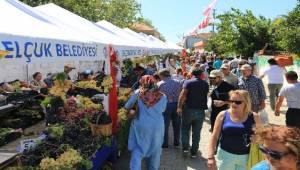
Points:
x=235, y=102
x=273, y=154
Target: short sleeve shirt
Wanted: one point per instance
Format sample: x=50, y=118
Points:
x=197, y=93
x=275, y=74
x=292, y=94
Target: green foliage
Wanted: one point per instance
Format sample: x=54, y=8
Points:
x=119, y=12
x=289, y=37
x=240, y=33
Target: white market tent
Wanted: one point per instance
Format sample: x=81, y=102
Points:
x=153, y=40
x=156, y=49
x=175, y=46
x=151, y=48
x=67, y=20
x=120, y=32
x=27, y=37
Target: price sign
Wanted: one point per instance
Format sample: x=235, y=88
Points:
x=27, y=144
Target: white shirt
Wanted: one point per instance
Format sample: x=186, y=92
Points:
x=292, y=94
x=275, y=74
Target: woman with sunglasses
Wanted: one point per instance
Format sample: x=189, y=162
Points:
x=233, y=129
x=280, y=145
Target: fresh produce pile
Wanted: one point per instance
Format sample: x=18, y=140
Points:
x=26, y=112
x=8, y=134
x=71, y=110
x=61, y=148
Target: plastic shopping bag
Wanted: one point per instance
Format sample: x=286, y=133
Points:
x=263, y=114
x=255, y=156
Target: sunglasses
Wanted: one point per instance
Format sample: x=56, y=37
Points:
x=235, y=102
x=273, y=154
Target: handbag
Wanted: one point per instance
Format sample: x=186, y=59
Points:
x=255, y=156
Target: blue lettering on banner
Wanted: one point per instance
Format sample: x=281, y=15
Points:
x=27, y=55
x=38, y=48
x=30, y=49
x=47, y=48
x=58, y=50
x=65, y=50
x=8, y=47
x=79, y=50
x=18, y=55
x=74, y=50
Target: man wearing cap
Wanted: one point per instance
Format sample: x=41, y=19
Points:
x=228, y=76
x=219, y=95
x=67, y=69
x=254, y=86
x=191, y=106
x=171, y=88
x=238, y=71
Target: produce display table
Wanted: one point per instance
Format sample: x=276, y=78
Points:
x=6, y=158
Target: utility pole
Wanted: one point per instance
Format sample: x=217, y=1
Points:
x=214, y=16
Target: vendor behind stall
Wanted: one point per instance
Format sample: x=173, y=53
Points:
x=37, y=82
x=67, y=69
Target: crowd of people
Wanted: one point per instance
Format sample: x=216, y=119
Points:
x=178, y=91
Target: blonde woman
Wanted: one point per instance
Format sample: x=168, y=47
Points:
x=233, y=128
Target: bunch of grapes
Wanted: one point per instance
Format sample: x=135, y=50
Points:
x=92, y=84
x=60, y=88
x=49, y=163
x=87, y=103
x=107, y=84
x=69, y=159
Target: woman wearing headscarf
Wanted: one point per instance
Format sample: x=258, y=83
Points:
x=147, y=129
x=280, y=145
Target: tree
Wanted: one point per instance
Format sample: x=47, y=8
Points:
x=240, y=33
x=290, y=28
x=119, y=12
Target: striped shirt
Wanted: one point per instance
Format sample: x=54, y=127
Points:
x=171, y=88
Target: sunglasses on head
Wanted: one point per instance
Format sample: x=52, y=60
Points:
x=273, y=154
x=235, y=102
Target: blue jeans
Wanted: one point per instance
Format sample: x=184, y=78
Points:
x=191, y=118
x=170, y=114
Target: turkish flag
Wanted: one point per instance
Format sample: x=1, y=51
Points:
x=113, y=97
x=208, y=9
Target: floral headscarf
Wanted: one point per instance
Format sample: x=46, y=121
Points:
x=149, y=92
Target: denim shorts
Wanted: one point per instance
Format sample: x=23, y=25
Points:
x=229, y=161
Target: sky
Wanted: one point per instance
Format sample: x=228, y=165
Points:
x=173, y=18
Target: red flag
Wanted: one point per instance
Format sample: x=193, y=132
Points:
x=208, y=9
x=183, y=53
x=113, y=97
x=204, y=23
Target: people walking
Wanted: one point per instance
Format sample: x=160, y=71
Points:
x=219, y=95
x=291, y=92
x=275, y=76
x=233, y=129
x=228, y=76
x=147, y=130
x=171, y=88
x=254, y=86
x=237, y=71
x=191, y=106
